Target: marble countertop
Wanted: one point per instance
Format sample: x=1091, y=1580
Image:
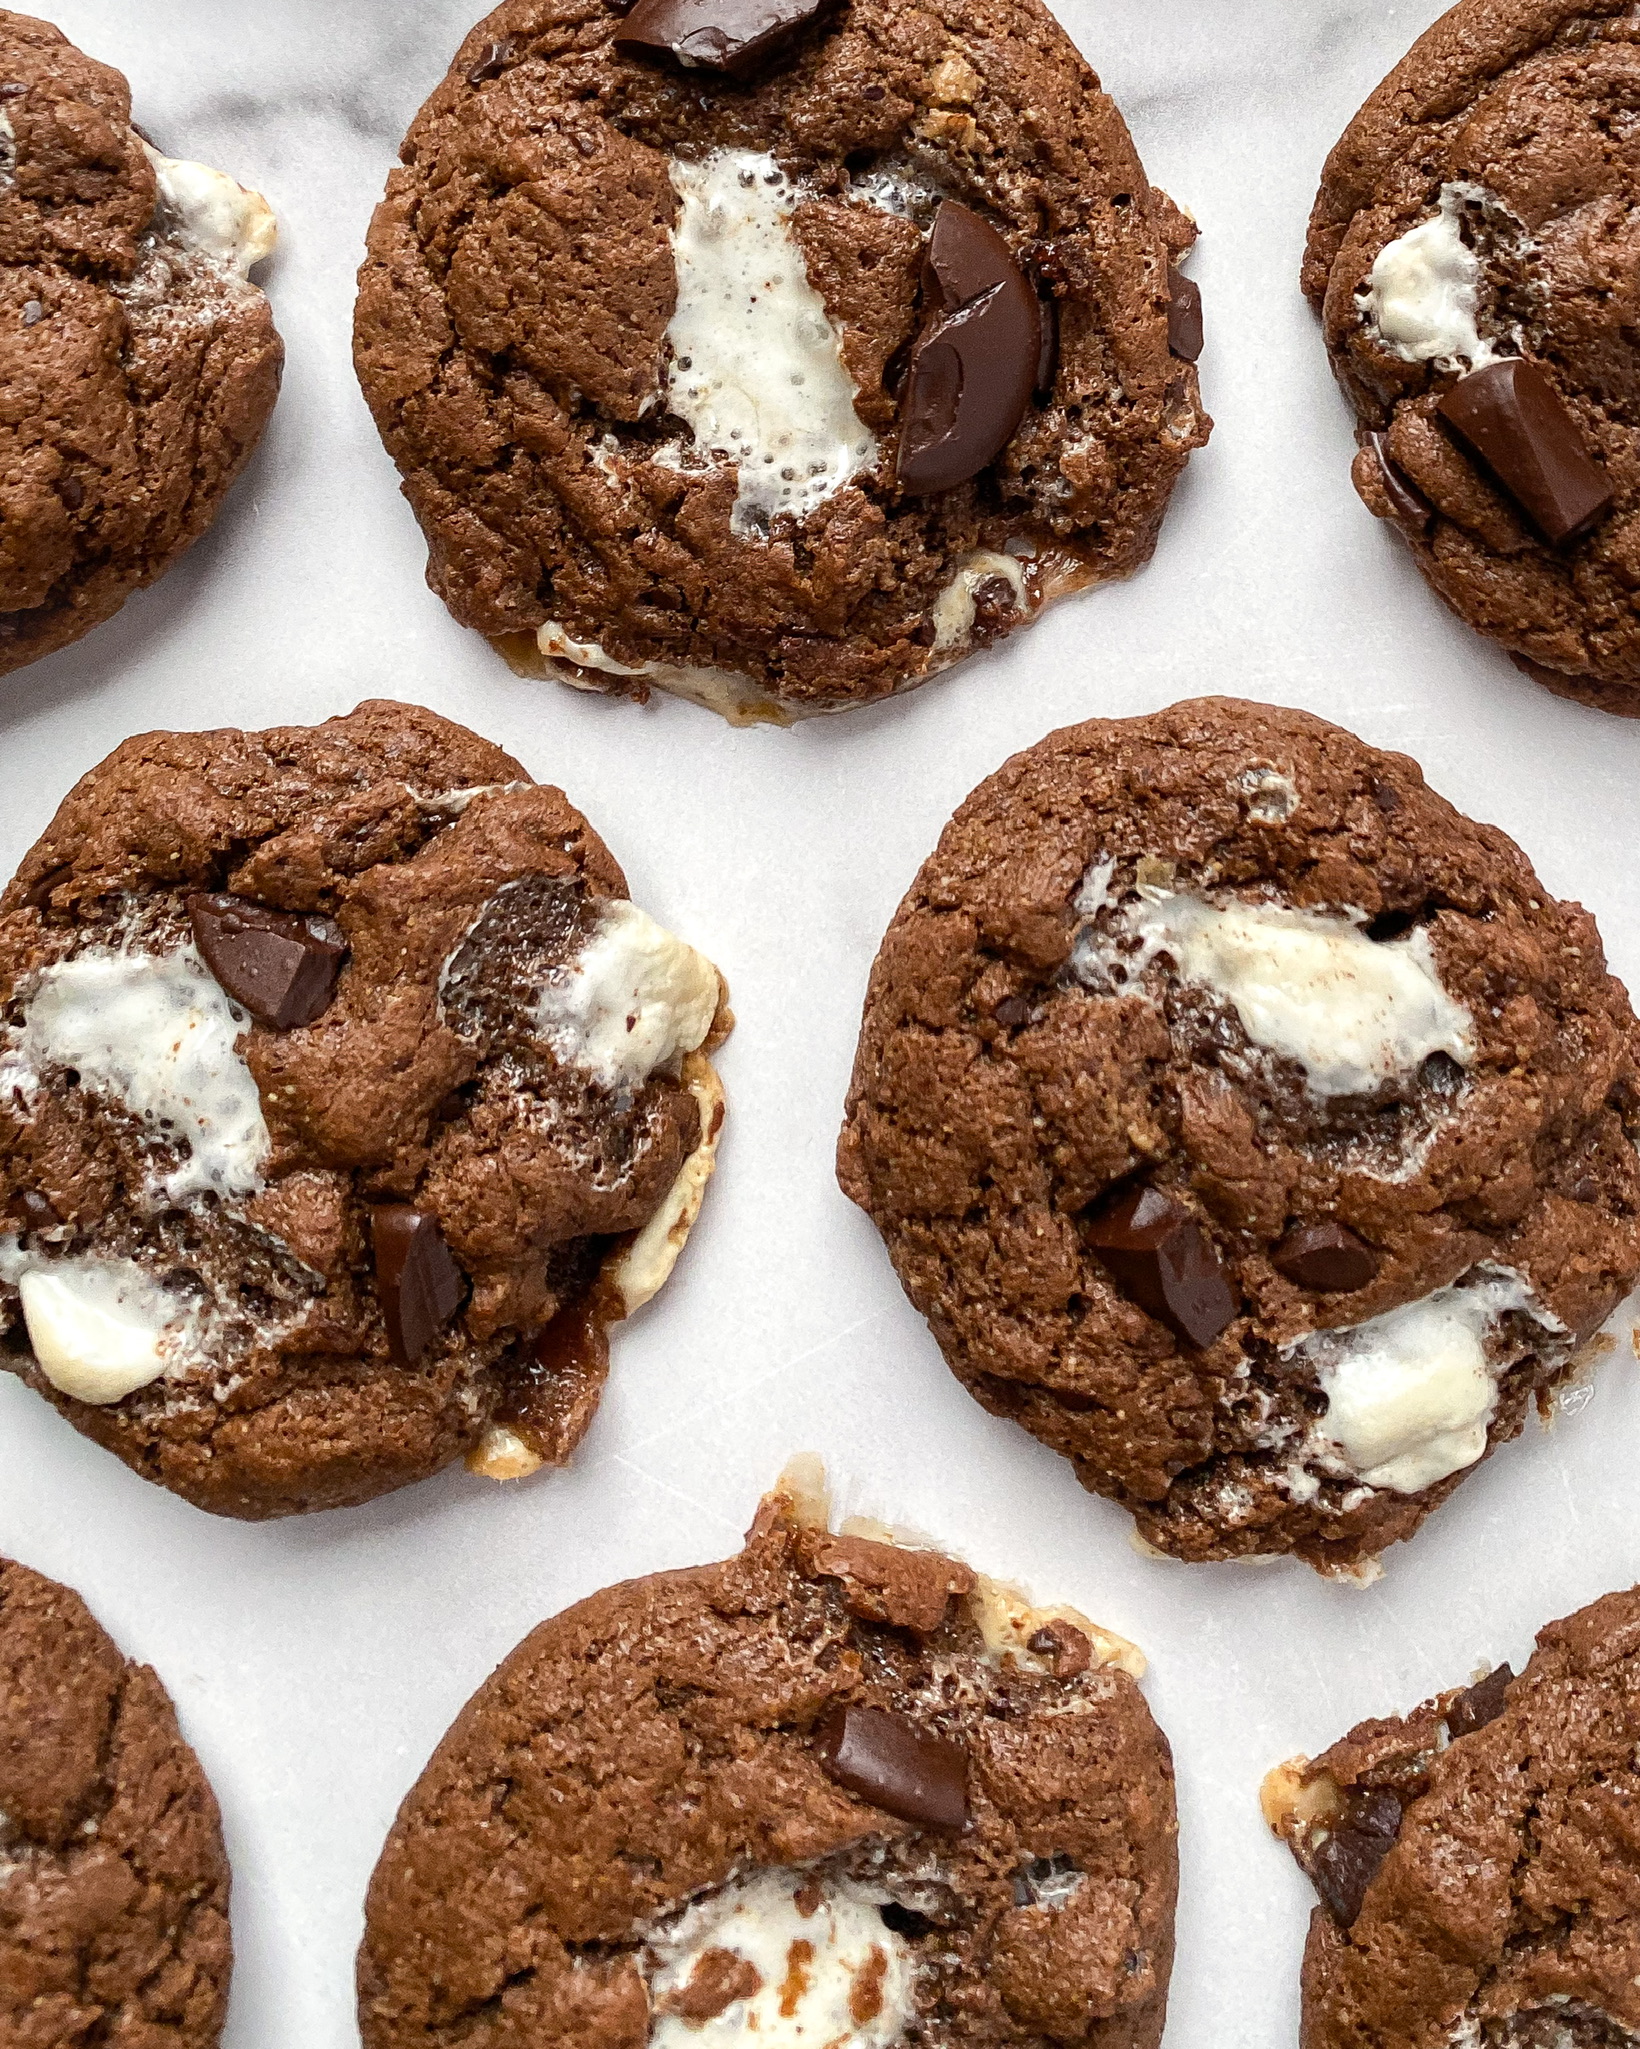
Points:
x=315, y=1663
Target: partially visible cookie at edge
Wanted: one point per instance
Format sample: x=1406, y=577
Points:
x=346, y=1101
x=1249, y=1125
x=1473, y=1859
x=835, y=1788
x=113, y=1876
x=139, y=361
x=785, y=389
x=1473, y=250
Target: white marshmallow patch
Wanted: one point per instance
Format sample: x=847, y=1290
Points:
x=1308, y=986
x=213, y=213
x=756, y=369
x=1423, y=293
x=155, y=1033
x=99, y=1328
x=816, y=1966
x=1411, y=1394
x=632, y=1001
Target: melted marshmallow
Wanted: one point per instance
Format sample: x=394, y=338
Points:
x=756, y=370
x=1311, y=987
x=157, y=1034
x=1423, y=292
x=213, y=213
x=633, y=1000
x=99, y=1328
x=1411, y=1394
x=953, y=613
x=830, y=1977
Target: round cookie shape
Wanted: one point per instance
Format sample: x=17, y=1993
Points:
x=1250, y=1126
x=1473, y=253
x=1471, y=1857
x=345, y=1101
x=831, y=1789
x=776, y=378
x=141, y=361
x=113, y=1877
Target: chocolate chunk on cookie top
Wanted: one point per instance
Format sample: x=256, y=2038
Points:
x=774, y=354
x=113, y=1878
x=140, y=361
x=1472, y=254
x=345, y=1101
x=1250, y=1126
x=1470, y=1858
x=829, y=1792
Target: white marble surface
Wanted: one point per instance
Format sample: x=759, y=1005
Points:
x=315, y=1663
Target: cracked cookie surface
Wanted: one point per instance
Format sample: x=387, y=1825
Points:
x=1173, y=996
x=523, y=332
x=1473, y=1857
x=640, y=1828
x=1490, y=190
x=140, y=363
x=280, y=1265
x=113, y=1878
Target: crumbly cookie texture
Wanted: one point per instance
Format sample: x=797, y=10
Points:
x=141, y=362
x=345, y=1102
x=800, y=1796
x=113, y=1878
x=1472, y=1858
x=599, y=279
x=1481, y=210
x=1250, y=1126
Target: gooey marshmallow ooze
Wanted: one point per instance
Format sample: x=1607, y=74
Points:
x=1411, y=1393
x=785, y=1960
x=99, y=1328
x=634, y=1000
x=156, y=1035
x=1423, y=294
x=756, y=371
x=1307, y=986
x=214, y=214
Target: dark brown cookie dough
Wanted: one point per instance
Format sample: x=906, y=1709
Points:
x=139, y=363
x=828, y=1789
x=113, y=1878
x=287, y=1266
x=513, y=341
x=1483, y=209
x=1474, y=1858
x=1202, y=1036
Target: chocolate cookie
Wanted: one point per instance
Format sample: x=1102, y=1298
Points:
x=139, y=362
x=113, y=1878
x=1474, y=1858
x=1475, y=248
x=774, y=356
x=1250, y=1126
x=832, y=1790
x=344, y=1101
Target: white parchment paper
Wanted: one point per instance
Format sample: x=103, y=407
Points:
x=315, y=1663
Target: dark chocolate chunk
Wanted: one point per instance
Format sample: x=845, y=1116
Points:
x=1012, y=1012
x=272, y=962
x=886, y=1759
x=735, y=36
x=419, y=1284
x=1184, y=316
x=1482, y=1703
x=1410, y=506
x=977, y=360
x=1066, y=1647
x=1161, y=1258
x=497, y=56
x=1511, y=419
x=1350, y=1856
x=1327, y=1258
